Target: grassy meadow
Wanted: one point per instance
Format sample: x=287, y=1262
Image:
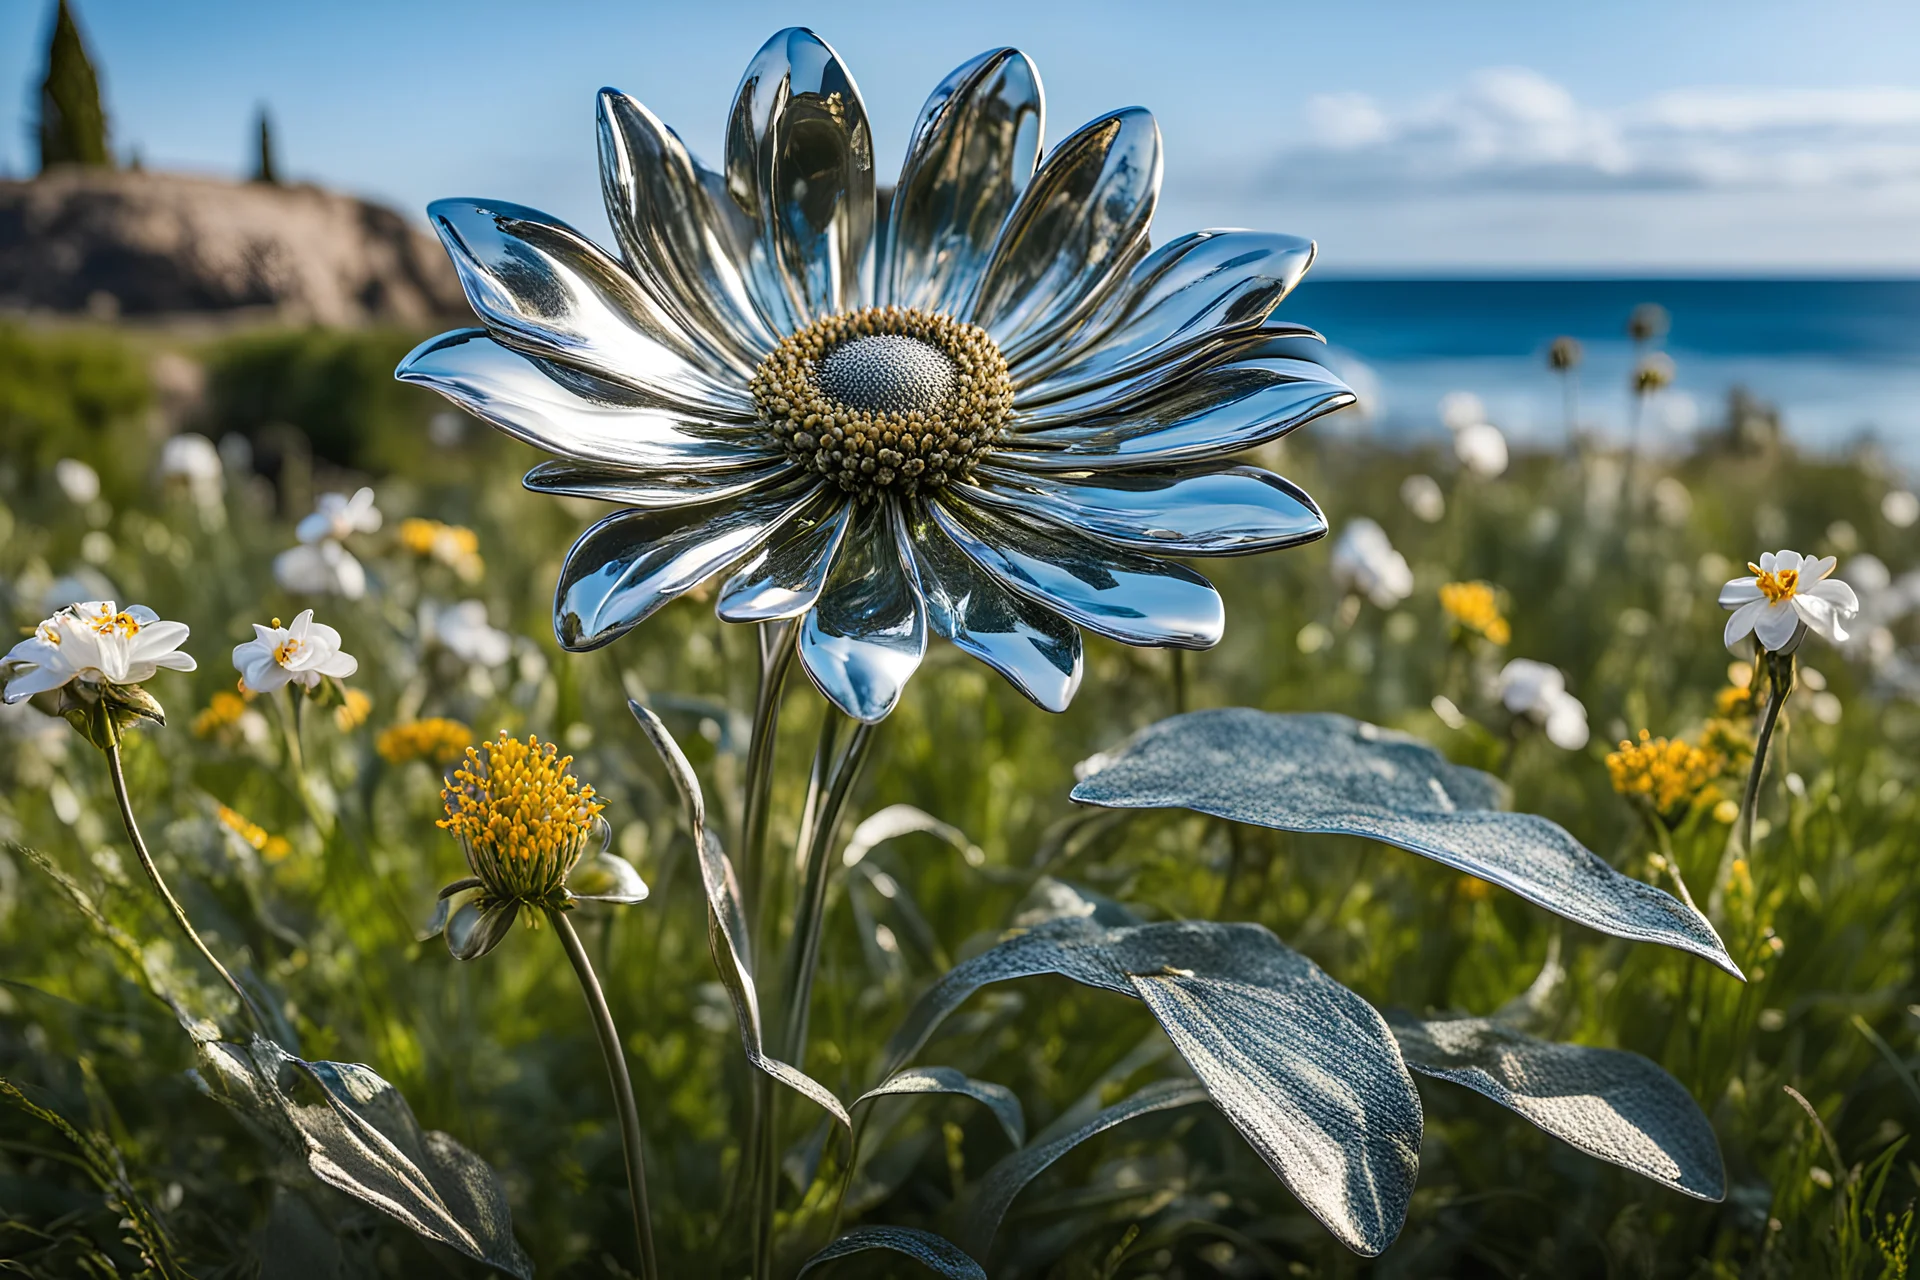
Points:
x=317, y=883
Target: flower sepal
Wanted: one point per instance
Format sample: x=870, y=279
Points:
x=606, y=877
x=102, y=713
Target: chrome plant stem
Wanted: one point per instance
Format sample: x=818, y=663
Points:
x=179, y=914
x=810, y=912
x=622, y=1083
x=778, y=643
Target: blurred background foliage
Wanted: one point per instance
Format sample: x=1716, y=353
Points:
x=1607, y=573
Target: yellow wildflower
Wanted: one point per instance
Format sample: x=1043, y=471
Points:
x=522, y=818
x=455, y=546
x=1667, y=773
x=272, y=848
x=352, y=711
x=221, y=713
x=437, y=739
x=1738, y=695
x=1476, y=607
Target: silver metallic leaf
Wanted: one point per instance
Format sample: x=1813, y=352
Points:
x=935, y=1253
x=1329, y=773
x=1613, y=1105
x=996, y=1098
x=1305, y=1069
x=360, y=1136
x=727, y=922
x=987, y=1200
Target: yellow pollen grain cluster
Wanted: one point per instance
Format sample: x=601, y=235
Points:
x=1668, y=772
x=273, y=848
x=1476, y=606
x=223, y=711
x=866, y=450
x=453, y=545
x=119, y=624
x=436, y=738
x=521, y=815
x=1776, y=585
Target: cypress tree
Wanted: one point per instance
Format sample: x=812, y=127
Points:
x=73, y=125
x=264, y=169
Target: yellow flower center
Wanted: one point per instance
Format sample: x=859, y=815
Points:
x=885, y=398
x=288, y=650
x=118, y=624
x=521, y=816
x=1776, y=585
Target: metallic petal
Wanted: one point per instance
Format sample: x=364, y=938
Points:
x=971, y=157
x=1118, y=593
x=565, y=412
x=869, y=631
x=473, y=929
x=633, y=562
x=606, y=877
x=674, y=234
x=1211, y=414
x=1185, y=298
x=1076, y=232
x=800, y=156
x=653, y=488
x=1034, y=648
x=1208, y=511
x=545, y=289
x=785, y=578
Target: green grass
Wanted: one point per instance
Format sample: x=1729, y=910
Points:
x=500, y=1053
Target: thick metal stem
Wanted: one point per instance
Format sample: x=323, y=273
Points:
x=622, y=1089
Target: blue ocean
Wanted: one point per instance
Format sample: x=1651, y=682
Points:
x=1840, y=359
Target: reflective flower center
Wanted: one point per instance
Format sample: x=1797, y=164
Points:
x=288, y=651
x=885, y=398
x=119, y=624
x=521, y=816
x=887, y=373
x=1776, y=586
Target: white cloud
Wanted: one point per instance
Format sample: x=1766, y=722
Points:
x=1512, y=129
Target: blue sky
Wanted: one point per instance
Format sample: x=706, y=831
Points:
x=1630, y=136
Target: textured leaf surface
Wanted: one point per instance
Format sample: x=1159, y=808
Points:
x=1329, y=773
x=1615, y=1106
x=987, y=1200
x=361, y=1137
x=727, y=922
x=935, y=1253
x=1306, y=1070
x=997, y=1098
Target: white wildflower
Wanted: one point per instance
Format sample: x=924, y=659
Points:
x=80, y=482
x=1539, y=692
x=305, y=654
x=1364, y=562
x=1422, y=495
x=1900, y=508
x=95, y=643
x=1460, y=409
x=1481, y=449
x=337, y=516
x=462, y=630
x=190, y=462
x=1787, y=596
x=320, y=569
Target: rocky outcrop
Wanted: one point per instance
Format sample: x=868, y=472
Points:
x=130, y=243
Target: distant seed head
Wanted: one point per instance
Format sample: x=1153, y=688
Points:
x=885, y=398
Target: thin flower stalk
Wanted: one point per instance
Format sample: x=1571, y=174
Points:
x=173, y=906
x=622, y=1083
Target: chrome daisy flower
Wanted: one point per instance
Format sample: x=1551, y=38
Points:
x=975, y=405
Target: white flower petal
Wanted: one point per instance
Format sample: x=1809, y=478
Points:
x=1836, y=593
x=1777, y=624
x=1739, y=592
x=1742, y=621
